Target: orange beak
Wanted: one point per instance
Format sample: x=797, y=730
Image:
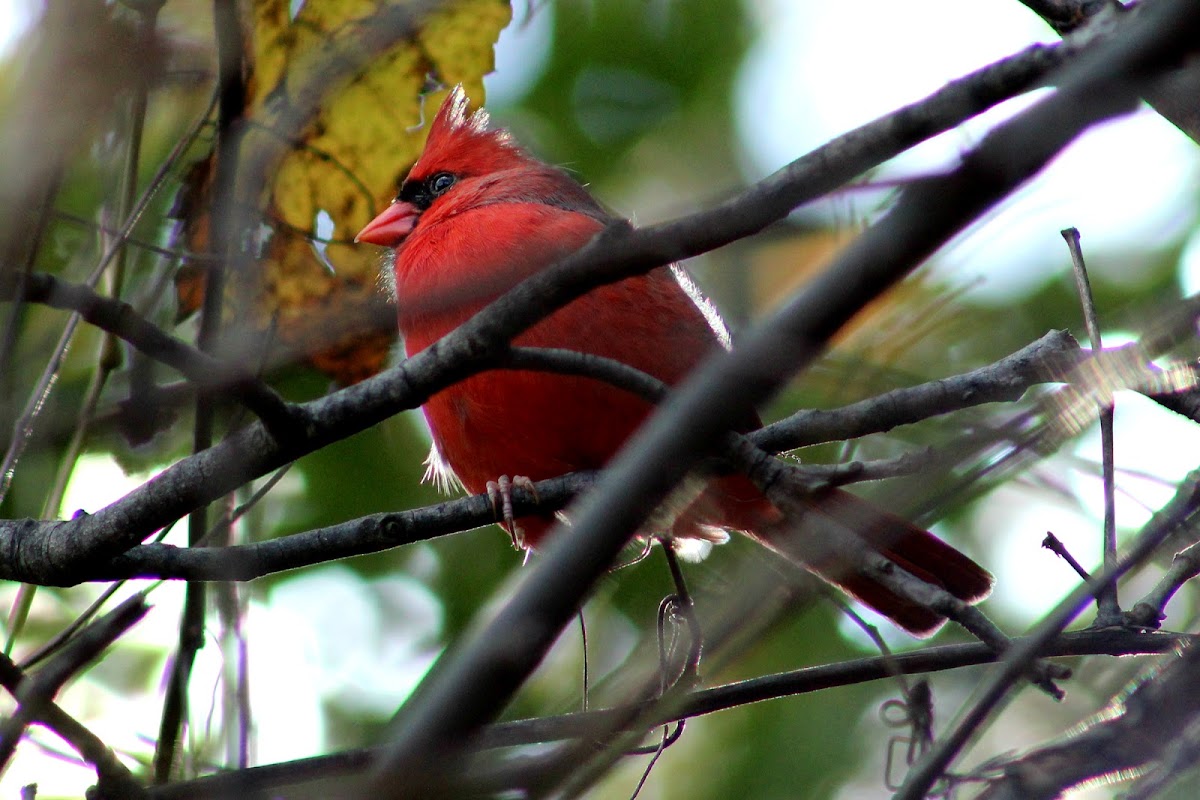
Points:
x=392, y=226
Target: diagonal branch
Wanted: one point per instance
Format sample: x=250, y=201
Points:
x=112, y=775
x=61, y=553
x=1141, y=731
x=470, y=686
x=36, y=692
x=1004, y=380
x=596, y=724
x=1178, y=512
x=205, y=371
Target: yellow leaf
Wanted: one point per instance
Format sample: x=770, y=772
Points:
x=337, y=93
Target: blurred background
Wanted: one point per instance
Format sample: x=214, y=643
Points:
x=662, y=108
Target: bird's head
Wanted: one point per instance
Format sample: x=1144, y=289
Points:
x=459, y=147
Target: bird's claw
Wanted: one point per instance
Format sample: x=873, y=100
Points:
x=499, y=493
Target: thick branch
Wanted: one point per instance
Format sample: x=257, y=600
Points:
x=1156, y=717
x=118, y=318
x=598, y=724
x=1004, y=380
x=62, y=552
x=472, y=685
x=1174, y=98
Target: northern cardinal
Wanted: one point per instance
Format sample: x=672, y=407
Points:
x=475, y=216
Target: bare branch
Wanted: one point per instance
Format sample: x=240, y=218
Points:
x=118, y=318
x=1151, y=609
x=1067, y=15
x=1173, y=98
x=597, y=724
x=1108, y=606
x=113, y=776
x=62, y=553
x=225, y=244
x=1175, y=514
x=1006, y=380
x=822, y=539
x=1146, y=726
x=36, y=691
x=469, y=687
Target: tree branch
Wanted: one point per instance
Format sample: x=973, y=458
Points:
x=1004, y=380
x=598, y=725
x=112, y=776
x=36, y=691
x=1174, y=98
x=1151, y=609
x=1149, y=724
x=1177, y=513
x=469, y=687
x=61, y=553
x=117, y=317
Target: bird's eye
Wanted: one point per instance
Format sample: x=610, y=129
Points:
x=440, y=183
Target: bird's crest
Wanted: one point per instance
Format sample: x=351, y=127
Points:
x=459, y=141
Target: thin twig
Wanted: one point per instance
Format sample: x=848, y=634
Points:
x=819, y=537
x=12, y=320
x=586, y=687
x=113, y=777
x=915, y=705
x=687, y=608
x=63, y=636
x=110, y=355
x=207, y=372
x=38, y=690
x=1159, y=529
x=225, y=232
x=184, y=256
x=586, y=726
x=1108, y=606
x=1055, y=545
x=24, y=427
x=227, y=520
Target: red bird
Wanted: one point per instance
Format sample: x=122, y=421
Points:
x=475, y=216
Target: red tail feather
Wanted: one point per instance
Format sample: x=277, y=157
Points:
x=737, y=504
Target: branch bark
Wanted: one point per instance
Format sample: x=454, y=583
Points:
x=61, y=553
x=470, y=686
x=598, y=725
x=1004, y=380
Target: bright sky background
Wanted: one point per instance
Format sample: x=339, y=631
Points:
x=14, y=18
x=819, y=69
x=906, y=52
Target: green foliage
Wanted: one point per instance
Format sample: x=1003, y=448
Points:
x=621, y=71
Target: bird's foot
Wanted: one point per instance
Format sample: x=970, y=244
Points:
x=499, y=492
